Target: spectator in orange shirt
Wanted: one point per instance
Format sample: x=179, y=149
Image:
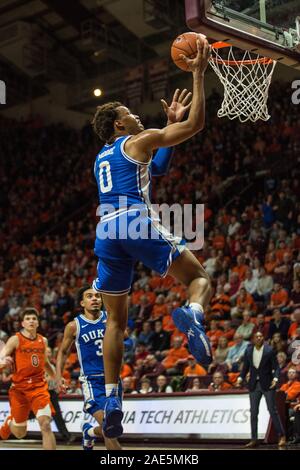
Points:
x=159, y=308
x=220, y=303
x=126, y=371
x=218, y=384
x=150, y=295
x=292, y=333
x=292, y=386
x=193, y=369
x=175, y=357
x=136, y=294
x=279, y=298
x=228, y=331
x=218, y=241
x=167, y=321
x=271, y=263
x=244, y=301
x=240, y=267
x=214, y=333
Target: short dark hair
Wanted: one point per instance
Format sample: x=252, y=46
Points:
x=29, y=311
x=103, y=121
x=81, y=292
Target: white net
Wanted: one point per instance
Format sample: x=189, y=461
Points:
x=246, y=83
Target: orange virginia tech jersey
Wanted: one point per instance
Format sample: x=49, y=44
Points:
x=29, y=362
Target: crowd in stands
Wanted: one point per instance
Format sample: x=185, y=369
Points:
x=247, y=177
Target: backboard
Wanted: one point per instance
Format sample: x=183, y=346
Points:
x=270, y=28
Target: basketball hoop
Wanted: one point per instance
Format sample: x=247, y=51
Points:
x=246, y=82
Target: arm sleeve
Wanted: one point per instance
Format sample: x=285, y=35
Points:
x=161, y=161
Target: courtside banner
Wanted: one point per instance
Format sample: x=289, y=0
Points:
x=207, y=417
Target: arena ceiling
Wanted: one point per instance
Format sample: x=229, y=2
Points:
x=75, y=40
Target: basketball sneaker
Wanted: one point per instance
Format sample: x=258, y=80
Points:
x=113, y=415
x=190, y=322
x=87, y=441
x=5, y=431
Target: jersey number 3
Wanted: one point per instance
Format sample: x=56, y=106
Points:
x=105, y=177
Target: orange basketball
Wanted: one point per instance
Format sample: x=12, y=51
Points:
x=185, y=44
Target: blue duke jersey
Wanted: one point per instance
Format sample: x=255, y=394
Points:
x=124, y=182
x=89, y=344
x=119, y=176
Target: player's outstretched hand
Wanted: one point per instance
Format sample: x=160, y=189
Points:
x=6, y=362
x=181, y=102
x=200, y=62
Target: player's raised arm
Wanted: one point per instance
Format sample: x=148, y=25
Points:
x=62, y=355
x=148, y=140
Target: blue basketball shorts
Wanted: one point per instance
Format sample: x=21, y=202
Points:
x=93, y=389
x=123, y=240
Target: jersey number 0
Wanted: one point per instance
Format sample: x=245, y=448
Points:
x=104, y=168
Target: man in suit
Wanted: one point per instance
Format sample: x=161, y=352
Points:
x=261, y=362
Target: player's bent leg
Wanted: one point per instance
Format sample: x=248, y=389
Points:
x=187, y=269
x=44, y=421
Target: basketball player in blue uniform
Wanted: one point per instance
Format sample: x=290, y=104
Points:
x=87, y=331
x=123, y=173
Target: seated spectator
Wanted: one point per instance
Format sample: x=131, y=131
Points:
x=146, y=335
x=218, y=384
x=150, y=295
x=162, y=385
x=210, y=263
x=283, y=367
x=141, y=351
x=193, y=368
x=292, y=386
x=145, y=386
x=167, y=321
x=126, y=370
x=220, y=354
x=292, y=333
x=294, y=302
x=261, y=326
x=160, y=339
x=277, y=343
x=279, y=324
x=136, y=294
x=195, y=385
x=152, y=368
x=128, y=385
x=265, y=285
x=228, y=331
x=159, y=308
x=236, y=353
x=214, y=333
x=175, y=357
x=250, y=282
x=283, y=274
x=244, y=301
x=240, y=267
x=220, y=304
x=74, y=388
x=279, y=298
x=247, y=327
x=144, y=308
